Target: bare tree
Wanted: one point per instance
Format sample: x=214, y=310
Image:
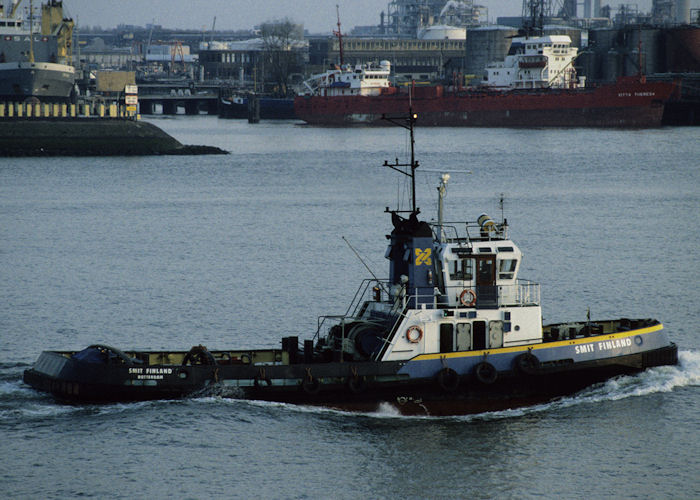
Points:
x=282, y=55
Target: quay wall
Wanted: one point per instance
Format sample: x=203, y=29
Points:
x=85, y=136
x=18, y=110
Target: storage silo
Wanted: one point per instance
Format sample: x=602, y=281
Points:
x=612, y=66
x=587, y=64
x=600, y=42
x=484, y=45
x=596, y=8
x=652, y=57
x=683, y=11
x=572, y=32
x=683, y=49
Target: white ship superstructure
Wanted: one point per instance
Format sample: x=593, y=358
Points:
x=347, y=80
x=534, y=63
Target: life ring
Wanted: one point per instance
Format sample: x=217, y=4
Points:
x=463, y=297
x=448, y=379
x=527, y=363
x=414, y=334
x=485, y=372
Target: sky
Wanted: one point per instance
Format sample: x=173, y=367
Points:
x=317, y=16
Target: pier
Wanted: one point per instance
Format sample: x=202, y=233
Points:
x=194, y=98
x=24, y=110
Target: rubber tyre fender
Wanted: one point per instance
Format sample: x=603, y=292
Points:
x=311, y=386
x=448, y=379
x=199, y=355
x=527, y=364
x=485, y=372
x=357, y=385
x=262, y=382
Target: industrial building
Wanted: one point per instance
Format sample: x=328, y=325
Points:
x=412, y=59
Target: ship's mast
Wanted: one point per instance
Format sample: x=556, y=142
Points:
x=339, y=35
x=407, y=123
x=31, y=32
x=442, y=190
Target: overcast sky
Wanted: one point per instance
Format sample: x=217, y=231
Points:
x=317, y=16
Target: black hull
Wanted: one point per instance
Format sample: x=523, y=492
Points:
x=48, y=82
x=347, y=386
x=270, y=109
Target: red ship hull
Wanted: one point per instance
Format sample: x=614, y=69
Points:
x=627, y=103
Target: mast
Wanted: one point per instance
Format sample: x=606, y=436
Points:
x=31, y=32
x=442, y=190
x=406, y=122
x=339, y=35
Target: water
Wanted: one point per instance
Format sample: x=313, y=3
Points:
x=170, y=252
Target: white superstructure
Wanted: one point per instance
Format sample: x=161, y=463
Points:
x=346, y=80
x=536, y=62
x=454, y=288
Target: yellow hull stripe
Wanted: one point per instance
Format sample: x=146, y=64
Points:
x=534, y=347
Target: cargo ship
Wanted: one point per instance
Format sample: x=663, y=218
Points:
x=453, y=330
x=36, y=63
x=535, y=86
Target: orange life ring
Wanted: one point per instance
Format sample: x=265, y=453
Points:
x=414, y=334
x=463, y=297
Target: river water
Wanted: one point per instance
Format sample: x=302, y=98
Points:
x=240, y=250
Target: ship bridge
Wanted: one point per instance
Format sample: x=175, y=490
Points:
x=480, y=269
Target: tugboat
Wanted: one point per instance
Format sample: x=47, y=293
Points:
x=454, y=330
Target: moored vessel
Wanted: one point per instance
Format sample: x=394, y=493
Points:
x=454, y=329
x=535, y=86
x=36, y=63
x=268, y=107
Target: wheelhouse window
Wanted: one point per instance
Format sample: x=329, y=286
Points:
x=506, y=269
x=462, y=269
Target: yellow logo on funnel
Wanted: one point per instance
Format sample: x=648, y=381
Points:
x=424, y=257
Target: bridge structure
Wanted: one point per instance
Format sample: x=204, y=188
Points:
x=193, y=97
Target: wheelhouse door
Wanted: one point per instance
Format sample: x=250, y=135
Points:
x=486, y=289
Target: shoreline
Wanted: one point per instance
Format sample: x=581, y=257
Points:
x=91, y=137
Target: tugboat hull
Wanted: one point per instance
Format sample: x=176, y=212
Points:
x=448, y=384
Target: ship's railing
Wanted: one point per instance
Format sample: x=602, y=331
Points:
x=522, y=293
x=372, y=294
x=466, y=232
x=375, y=304
x=369, y=290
